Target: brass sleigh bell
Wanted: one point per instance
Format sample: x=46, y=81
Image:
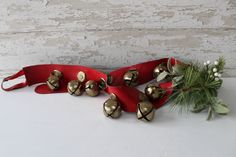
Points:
x=53, y=80
x=145, y=111
x=131, y=78
x=91, y=88
x=111, y=107
x=159, y=69
x=102, y=84
x=75, y=87
x=153, y=92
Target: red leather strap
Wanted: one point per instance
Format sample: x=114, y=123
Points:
x=40, y=73
x=128, y=96
x=12, y=77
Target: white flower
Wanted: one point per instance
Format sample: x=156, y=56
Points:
x=208, y=62
x=216, y=62
x=214, y=70
x=216, y=74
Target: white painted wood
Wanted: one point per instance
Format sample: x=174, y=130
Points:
x=107, y=34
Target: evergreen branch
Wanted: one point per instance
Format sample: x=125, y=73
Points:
x=195, y=87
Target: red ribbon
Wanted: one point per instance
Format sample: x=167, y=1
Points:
x=128, y=96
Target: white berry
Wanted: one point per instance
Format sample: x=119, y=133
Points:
x=208, y=62
x=214, y=70
x=216, y=62
x=219, y=75
x=217, y=79
x=205, y=63
x=216, y=74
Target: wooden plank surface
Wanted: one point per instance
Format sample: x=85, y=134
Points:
x=107, y=34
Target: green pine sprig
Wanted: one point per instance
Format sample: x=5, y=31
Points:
x=195, y=87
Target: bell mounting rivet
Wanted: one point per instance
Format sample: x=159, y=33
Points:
x=81, y=76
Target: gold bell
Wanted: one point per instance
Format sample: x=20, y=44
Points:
x=53, y=80
x=153, y=92
x=131, y=78
x=159, y=69
x=56, y=73
x=102, y=84
x=91, y=88
x=145, y=111
x=75, y=87
x=111, y=107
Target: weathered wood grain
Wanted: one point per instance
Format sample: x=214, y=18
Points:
x=74, y=15
x=107, y=34
x=106, y=49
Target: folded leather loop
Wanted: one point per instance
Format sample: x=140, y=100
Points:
x=12, y=77
x=128, y=96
